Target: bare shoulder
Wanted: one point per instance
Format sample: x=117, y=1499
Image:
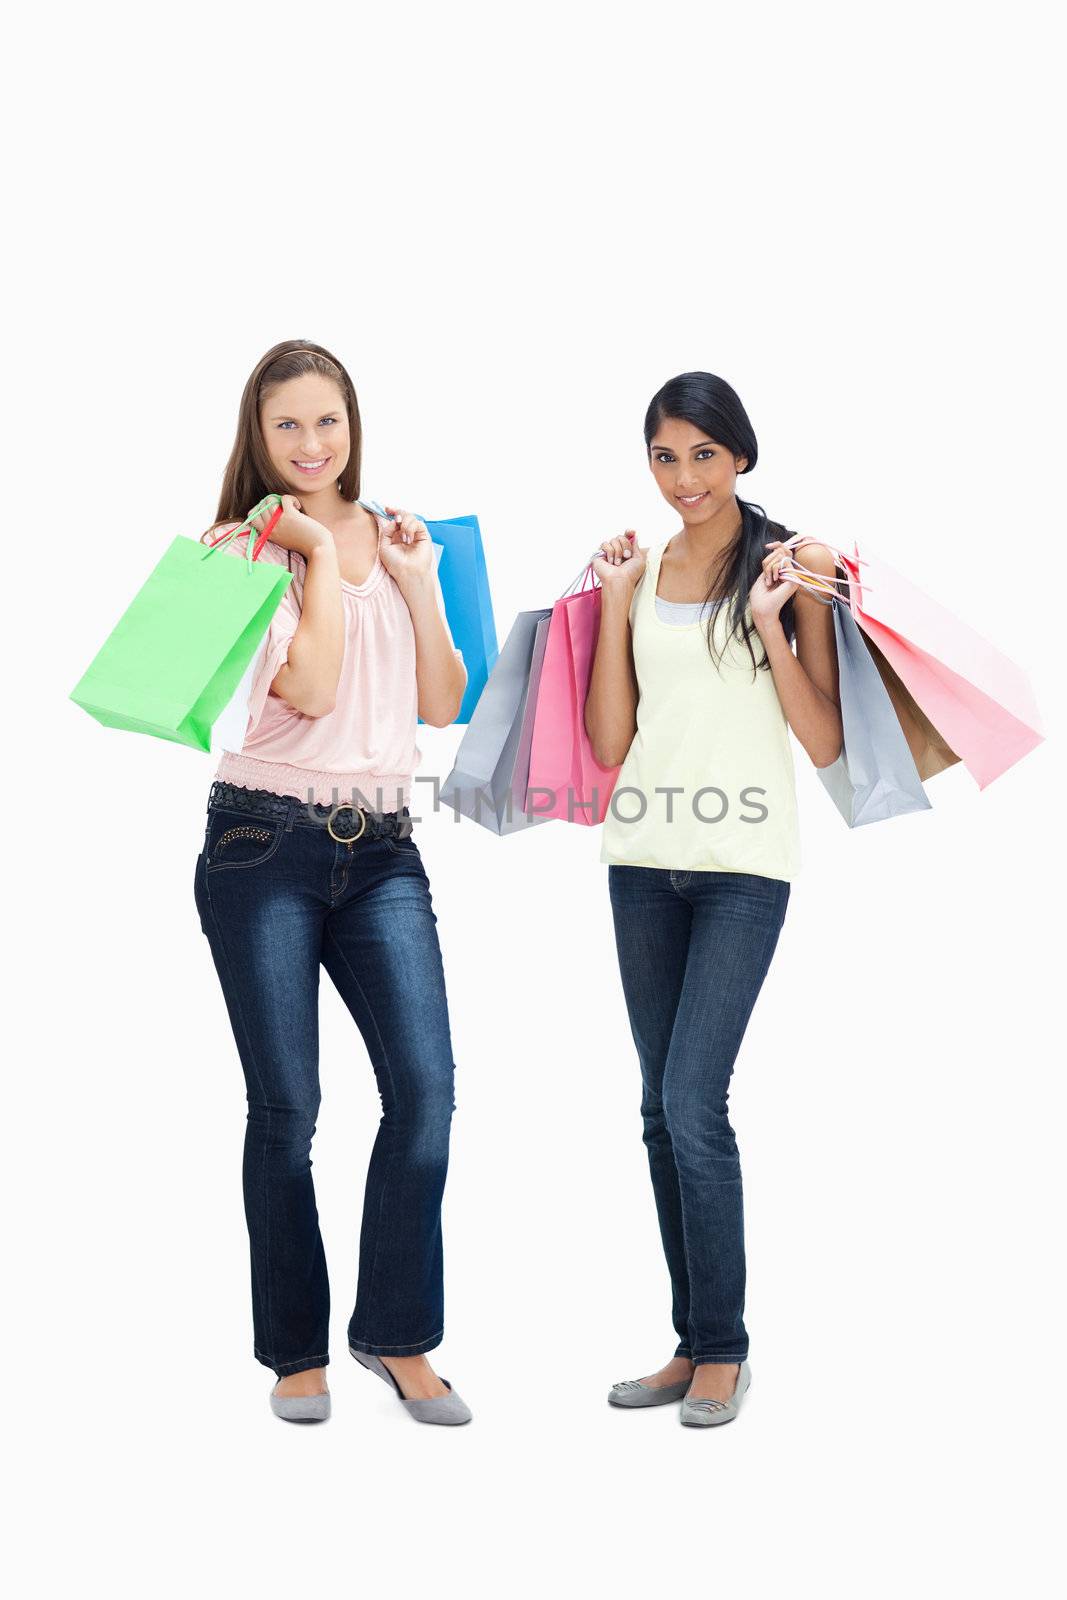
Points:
x=374, y=510
x=818, y=557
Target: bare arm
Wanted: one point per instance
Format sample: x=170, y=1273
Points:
x=611, y=703
x=440, y=676
x=308, y=680
x=439, y=671
x=807, y=682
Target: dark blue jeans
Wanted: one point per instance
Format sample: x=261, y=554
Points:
x=277, y=897
x=694, y=949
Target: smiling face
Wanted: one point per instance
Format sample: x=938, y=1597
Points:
x=696, y=475
x=305, y=430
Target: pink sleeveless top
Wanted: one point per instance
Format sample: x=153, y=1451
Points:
x=367, y=742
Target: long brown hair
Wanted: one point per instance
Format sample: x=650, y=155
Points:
x=249, y=474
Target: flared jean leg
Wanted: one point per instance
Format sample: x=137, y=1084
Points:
x=270, y=985
x=382, y=953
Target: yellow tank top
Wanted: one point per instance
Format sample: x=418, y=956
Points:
x=718, y=739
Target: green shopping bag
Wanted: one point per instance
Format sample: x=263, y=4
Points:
x=178, y=652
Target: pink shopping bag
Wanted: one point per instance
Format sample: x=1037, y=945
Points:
x=566, y=780
x=958, y=698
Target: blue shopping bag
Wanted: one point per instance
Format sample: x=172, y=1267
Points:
x=464, y=583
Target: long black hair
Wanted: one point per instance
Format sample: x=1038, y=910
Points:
x=711, y=405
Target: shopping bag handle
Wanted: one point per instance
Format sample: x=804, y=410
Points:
x=795, y=540
x=582, y=578
x=816, y=583
x=587, y=572
x=252, y=551
x=813, y=583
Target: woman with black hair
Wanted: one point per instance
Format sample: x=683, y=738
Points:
x=701, y=838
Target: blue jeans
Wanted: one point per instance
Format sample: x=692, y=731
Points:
x=694, y=949
x=277, y=897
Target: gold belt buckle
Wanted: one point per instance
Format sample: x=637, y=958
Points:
x=346, y=805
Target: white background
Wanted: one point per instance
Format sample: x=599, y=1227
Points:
x=513, y=225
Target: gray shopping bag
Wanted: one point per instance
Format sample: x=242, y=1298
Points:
x=484, y=781
x=520, y=780
x=875, y=776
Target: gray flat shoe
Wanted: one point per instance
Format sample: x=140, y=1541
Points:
x=708, y=1413
x=300, y=1407
x=447, y=1408
x=632, y=1392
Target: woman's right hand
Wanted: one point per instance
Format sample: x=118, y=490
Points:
x=622, y=563
x=294, y=530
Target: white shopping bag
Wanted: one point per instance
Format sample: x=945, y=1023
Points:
x=230, y=726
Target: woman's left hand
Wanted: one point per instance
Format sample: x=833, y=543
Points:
x=407, y=550
x=772, y=588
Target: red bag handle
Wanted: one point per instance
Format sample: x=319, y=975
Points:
x=253, y=550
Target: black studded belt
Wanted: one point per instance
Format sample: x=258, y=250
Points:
x=346, y=822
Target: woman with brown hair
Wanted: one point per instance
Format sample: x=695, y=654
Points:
x=308, y=860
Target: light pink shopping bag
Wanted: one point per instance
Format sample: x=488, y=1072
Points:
x=973, y=704
x=566, y=780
